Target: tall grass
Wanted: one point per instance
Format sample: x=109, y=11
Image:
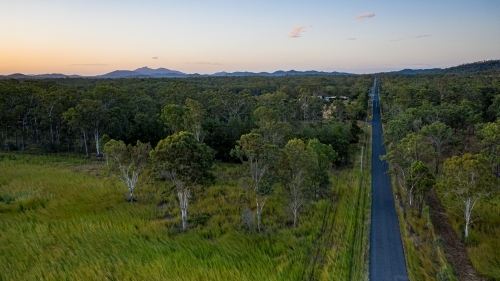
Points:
x=424, y=250
x=59, y=222
x=348, y=221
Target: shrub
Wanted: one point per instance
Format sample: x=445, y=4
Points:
x=248, y=219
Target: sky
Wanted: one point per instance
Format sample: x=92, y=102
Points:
x=94, y=37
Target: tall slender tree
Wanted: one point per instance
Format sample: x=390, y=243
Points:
x=260, y=157
x=185, y=162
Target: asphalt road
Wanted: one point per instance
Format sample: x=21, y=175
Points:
x=387, y=261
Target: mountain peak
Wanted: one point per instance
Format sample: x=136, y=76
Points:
x=150, y=71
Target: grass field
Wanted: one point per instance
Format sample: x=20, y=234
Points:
x=62, y=217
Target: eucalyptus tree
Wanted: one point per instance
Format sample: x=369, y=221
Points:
x=421, y=181
x=194, y=118
x=402, y=157
x=174, y=117
x=51, y=108
x=440, y=137
x=227, y=105
x=185, y=118
x=259, y=156
x=297, y=165
x=185, y=162
x=108, y=95
x=128, y=163
x=269, y=126
x=326, y=157
x=490, y=140
x=87, y=116
x=468, y=179
x=24, y=107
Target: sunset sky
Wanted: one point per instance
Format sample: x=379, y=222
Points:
x=97, y=36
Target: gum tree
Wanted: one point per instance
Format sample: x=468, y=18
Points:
x=468, y=179
x=439, y=136
x=421, y=181
x=184, y=161
x=128, y=162
x=260, y=157
x=297, y=166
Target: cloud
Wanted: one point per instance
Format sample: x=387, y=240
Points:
x=204, y=63
x=155, y=58
x=422, y=36
x=88, y=64
x=351, y=39
x=296, y=32
x=365, y=16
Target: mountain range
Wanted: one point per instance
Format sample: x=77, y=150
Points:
x=146, y=72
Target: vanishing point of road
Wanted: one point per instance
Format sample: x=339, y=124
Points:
x=387, y=260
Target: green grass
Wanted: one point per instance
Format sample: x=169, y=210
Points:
x=349, y=222
x=483, y=245
x=63, y=218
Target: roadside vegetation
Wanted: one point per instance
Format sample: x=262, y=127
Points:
x=442, y=139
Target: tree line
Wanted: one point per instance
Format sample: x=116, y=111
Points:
x=61, y=115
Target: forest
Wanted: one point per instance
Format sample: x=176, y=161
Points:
x=62, y=115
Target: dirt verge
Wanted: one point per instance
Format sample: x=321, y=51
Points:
x=455, y=250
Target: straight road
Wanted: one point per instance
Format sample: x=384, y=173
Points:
x=387, y=261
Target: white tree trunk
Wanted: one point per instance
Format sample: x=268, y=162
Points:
x=467, y=217
x=85, y=142
x=295, y=213
x=469, y=206
x=410, y=194
x=131, y=195
x=183, y=203
x=96, y=135
x=260, y=206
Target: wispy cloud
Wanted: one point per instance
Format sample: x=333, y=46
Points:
x=351, y=39
x=88, y=64
x=204, y=63
x=155, y=58
x=296, y=32
x=422, y=36
x=365, y=16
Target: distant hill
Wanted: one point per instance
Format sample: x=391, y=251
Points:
x=418, y=71
x=16, y=76
x=144, y=72
x=38, y=76
x=486, y=65
x=160, y=71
